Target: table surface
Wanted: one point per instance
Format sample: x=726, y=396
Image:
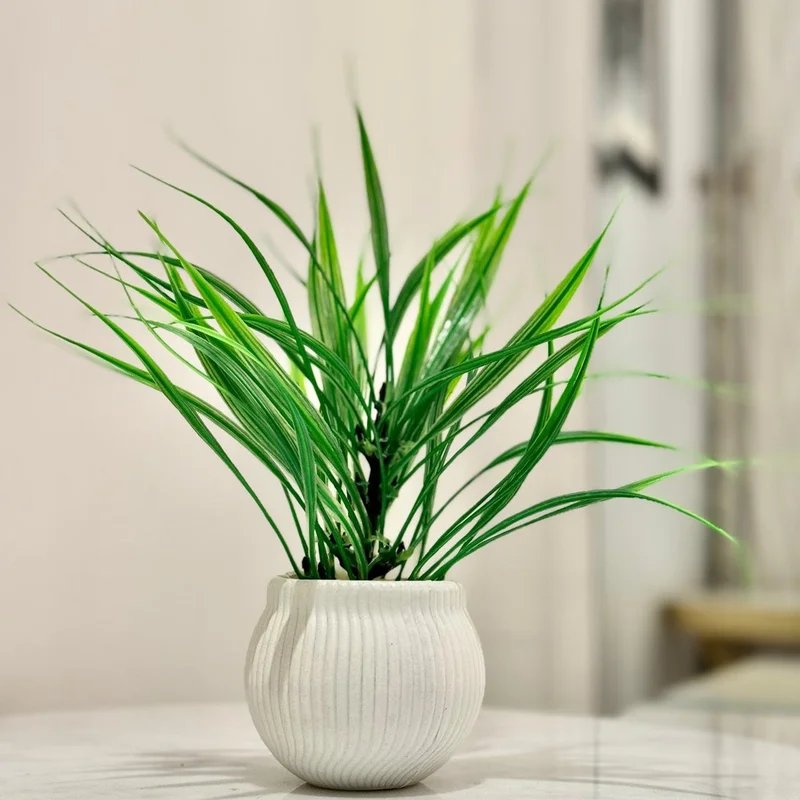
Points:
x=211, y=752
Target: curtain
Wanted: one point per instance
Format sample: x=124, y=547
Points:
x=756, y=264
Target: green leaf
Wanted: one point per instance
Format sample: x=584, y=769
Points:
x=378, y=228
x=418, y=341
x=358, y=311
x=470, y=293
x=564, y=504
x=538, y=323
x=440, y=250
x=327, y=302
x=251, y=246
x=308, y=470
x=276, y=209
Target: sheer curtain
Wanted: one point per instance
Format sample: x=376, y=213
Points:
x=769, y=71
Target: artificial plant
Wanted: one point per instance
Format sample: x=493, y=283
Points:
x=345, y=427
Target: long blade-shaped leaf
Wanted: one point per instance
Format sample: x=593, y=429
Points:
x=441, y=248
x=379, y=230
x=308, y=470
x=251, y=246
x=565, y=504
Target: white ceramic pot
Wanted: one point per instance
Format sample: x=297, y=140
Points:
x=364, y=684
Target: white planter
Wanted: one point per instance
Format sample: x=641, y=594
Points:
x=364, y=684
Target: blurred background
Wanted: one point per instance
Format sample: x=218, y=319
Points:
x=133, y=567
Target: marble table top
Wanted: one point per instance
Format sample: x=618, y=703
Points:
x=211, y=752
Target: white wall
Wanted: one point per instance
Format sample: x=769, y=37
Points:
x=132, y=566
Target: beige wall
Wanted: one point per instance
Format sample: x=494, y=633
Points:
x=132, y=565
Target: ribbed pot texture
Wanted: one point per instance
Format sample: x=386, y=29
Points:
x=364, y=684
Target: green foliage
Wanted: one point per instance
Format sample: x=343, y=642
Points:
x=342, y=435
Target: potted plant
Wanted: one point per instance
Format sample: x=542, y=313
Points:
x=365, y=671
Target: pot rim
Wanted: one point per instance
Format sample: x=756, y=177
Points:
x=289, y=577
